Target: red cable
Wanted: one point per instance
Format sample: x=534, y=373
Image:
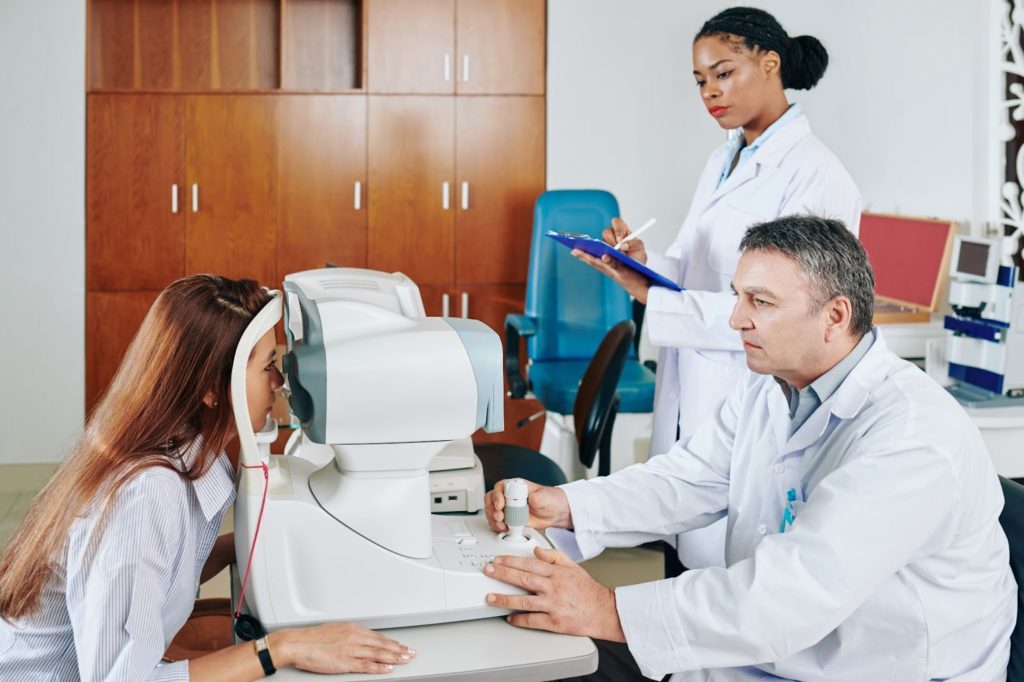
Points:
x=259, y=520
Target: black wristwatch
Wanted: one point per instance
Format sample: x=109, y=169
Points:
x=263, y=651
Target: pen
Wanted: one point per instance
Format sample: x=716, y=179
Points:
x=639, y=232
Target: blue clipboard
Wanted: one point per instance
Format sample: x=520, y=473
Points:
x=597, y=248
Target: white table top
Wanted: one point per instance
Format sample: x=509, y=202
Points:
x=488, y=649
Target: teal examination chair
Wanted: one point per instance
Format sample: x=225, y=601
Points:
x=597, y=403
x=569, y=309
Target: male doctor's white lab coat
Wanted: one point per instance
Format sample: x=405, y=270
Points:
x=895, y=567
x=701, y=358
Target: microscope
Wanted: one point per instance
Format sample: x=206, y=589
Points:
x=986, y=349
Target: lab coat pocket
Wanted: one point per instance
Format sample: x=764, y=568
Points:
x=730, y=224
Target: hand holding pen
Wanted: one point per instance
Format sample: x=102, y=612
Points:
x=620, y=237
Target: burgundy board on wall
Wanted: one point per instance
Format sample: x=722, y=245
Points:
x=910, y=256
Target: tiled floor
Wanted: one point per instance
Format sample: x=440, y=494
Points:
x=613, y=568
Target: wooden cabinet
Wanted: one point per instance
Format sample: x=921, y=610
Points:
x=321, y=182
x=135, y=217
x=501, y=172
x=411, y=171
x=183, y=45
x=463, y=47
x=231, y=170
x=254, y=138
x=112, y=318
x=410, y=46
x=500, y=46
x=451, y=199
x=322, y=45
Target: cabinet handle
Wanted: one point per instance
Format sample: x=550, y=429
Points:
x=174, y=198
x=447, y=67
x=465, y=305
x=465, y=195
x=195, y=197
x=357, y=201
x=444, y=195
x=444, y=305
x=465, y=68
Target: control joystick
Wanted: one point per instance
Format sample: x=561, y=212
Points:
x=517, y=510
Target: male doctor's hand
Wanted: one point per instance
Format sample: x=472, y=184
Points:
x=565, y=598
x=549, y=507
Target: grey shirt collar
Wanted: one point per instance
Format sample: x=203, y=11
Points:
x=803, y=402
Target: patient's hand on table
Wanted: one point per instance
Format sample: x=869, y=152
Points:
x=549, y=508
x=564, y=597
x=341, y=648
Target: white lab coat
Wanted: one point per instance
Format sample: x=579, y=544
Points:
x=895, y=567
x=701, y=358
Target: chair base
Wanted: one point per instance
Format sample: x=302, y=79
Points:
x=631, y=437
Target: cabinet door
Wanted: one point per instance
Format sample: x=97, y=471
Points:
x=411, y=172
x=111, y=320
x=231, y=170
x=490, y=304
x=135, y=154
x=410, y=46
x=500, y=47
x=321, y=182
x=228, y=45
x=500, y=161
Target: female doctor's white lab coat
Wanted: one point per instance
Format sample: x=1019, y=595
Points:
x=701, y=357
x=895, y=566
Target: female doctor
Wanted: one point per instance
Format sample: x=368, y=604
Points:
x=771, y=165
x=104, y=570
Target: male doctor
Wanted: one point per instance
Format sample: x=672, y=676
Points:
x=863, y=540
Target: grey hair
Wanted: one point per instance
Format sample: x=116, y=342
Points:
x=832, y=259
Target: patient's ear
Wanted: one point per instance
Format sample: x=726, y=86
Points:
x=209, y=400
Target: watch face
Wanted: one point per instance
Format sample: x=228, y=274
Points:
x=261, y=644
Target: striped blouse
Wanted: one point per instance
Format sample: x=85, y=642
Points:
x=118, y=599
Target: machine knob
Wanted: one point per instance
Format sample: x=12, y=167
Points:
x=517, y=509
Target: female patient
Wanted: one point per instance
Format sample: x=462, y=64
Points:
x=104, y=570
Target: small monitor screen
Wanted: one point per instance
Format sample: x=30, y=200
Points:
x=973, y=258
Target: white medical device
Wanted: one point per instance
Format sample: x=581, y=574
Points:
x=986, y=350
x=387, y=389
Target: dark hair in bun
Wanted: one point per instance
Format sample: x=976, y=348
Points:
x=804, y=58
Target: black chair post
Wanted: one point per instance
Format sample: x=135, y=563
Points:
x=604, y=458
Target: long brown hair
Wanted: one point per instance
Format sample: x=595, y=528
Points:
x=152, y=411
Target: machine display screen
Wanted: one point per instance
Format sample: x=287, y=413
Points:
x=973, y=258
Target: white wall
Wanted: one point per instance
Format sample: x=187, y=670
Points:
x=42, y=227
x=903, y=103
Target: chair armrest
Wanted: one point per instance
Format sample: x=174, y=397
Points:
x=516, y=326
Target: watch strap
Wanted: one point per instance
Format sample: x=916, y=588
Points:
x=263, y=651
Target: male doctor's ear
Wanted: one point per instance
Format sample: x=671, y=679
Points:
x=838, y=313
